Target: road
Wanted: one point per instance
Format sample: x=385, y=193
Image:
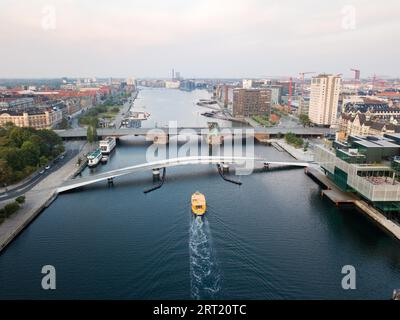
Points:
x=118, y=118
x=289, y=121
x=72, y=149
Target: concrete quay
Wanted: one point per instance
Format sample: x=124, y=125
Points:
x=37, y=199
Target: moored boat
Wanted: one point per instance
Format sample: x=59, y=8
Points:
x=94, y=158
x=107, y=145
x=104, y=159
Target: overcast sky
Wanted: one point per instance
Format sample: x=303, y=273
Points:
x=199, y=38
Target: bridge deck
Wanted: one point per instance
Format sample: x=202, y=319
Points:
x=80, y=182
x=81, y=132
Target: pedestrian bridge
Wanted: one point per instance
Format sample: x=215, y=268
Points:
x=80, y=182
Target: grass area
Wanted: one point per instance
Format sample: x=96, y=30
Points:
x=263, y=120
x=93, y=115
x=293, y=140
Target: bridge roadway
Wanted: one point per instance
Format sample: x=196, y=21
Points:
x=79, y=133
x=80, y=182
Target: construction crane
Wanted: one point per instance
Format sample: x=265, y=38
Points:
x=290, y=93
x=357, y=74
x=302, y=74
x=377, y=81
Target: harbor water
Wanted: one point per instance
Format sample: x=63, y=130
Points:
x=273, y=237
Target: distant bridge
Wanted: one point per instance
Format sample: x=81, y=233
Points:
x=80, y=182
x=80, y=133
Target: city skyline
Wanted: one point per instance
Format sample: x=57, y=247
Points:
x=236, y=39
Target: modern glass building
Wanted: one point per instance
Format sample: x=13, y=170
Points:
x=368, y=166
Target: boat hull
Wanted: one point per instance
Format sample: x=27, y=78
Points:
x=199, y=206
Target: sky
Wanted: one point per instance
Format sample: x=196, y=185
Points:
x=199, y=38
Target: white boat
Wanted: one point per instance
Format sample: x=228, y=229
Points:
x=104, y=159
x=94, y=158
x=139, y=115
x=107, y=145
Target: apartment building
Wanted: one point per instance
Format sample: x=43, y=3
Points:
x=324, y=99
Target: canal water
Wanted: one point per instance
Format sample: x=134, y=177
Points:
x=273, y=237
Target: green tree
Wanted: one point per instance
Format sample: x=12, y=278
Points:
x=64, y=124
x=305, y=120
x=91, y=134
x=20, y=200
x=18, y=135
x=292, y=139
x=5, y=172
x=11, y=208
x=31, y=153
x=306, y=145
x=15, y=158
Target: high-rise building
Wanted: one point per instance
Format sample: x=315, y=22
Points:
x=324, y=99
x=247, y=84
x=249, y=102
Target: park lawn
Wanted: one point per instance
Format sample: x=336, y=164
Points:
x=263, y=120
x=109, y=113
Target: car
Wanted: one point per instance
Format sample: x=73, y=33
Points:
x=47, y=167
x=62, y=157
x=41, y=171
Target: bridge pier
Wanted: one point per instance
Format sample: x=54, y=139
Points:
x=262, y=137
x=158, y=138
x=225, y=168
x=110, y=182
x=213, y=140
x=156, y=175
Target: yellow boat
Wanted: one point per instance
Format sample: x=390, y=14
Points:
x=198, y=203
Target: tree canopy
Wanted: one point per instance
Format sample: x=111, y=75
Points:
x=23, y=150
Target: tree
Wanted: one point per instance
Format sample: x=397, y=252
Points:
x=64, y=124
x=305, y=120
x=11, y=208
x=292, y=139
x=2, y=215
x=5, y=172
x=18, y=135
x=23, y=149
x=31, y=153
x=305, y=147
x=20, y=200
x=91, y=134
x=15, y=158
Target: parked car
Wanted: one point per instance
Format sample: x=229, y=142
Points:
x=47, y=167
x=41, y=171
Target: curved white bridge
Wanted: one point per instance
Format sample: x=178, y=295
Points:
x=80, y=182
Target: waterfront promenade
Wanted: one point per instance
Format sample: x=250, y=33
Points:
x=38, y=198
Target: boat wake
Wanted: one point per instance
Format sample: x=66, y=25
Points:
x=204, y=273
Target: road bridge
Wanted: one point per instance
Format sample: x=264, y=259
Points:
x=80, y=133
